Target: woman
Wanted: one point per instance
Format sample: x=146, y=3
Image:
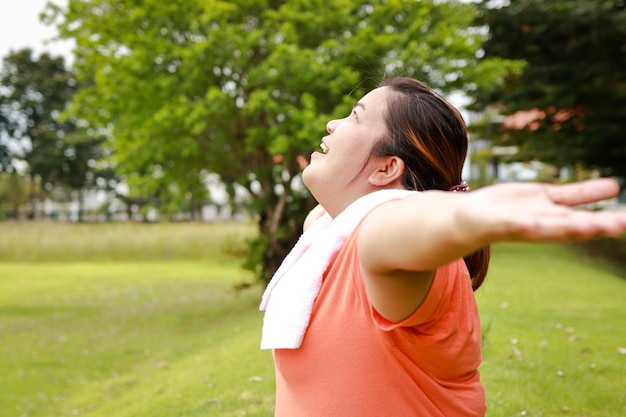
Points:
x=373, y=313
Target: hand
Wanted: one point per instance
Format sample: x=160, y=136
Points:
x=536, y=212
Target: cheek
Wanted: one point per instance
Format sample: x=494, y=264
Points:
x=358, y=160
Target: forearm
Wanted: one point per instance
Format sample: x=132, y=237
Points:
x=433, y=228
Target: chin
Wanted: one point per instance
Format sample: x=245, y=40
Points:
x=306, y=177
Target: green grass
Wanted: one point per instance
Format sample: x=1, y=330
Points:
x=69, y=242
x=143, y=320
x=555, y=333
x=129, y=320
x=130, y=339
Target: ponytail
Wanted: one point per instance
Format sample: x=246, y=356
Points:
x=477, y=264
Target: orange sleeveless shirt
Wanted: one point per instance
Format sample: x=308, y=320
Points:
x=354, y=363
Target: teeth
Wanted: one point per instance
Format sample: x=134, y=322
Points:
x=324, y=147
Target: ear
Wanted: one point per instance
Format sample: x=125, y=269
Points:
x=387, y=171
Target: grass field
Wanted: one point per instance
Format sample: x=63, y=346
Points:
x=143, y=320
x=555, y=333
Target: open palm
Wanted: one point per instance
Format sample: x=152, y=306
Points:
x=535, y=212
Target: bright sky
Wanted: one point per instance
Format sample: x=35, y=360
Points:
x=20, y=27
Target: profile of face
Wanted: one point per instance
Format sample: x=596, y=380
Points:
x=340, y=172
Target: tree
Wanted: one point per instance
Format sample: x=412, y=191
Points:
x=78, y=171
x=574, y=81
x=13, y=194
x=244, y=88
x=36, y=90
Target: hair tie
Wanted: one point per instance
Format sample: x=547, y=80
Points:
x=463, y=186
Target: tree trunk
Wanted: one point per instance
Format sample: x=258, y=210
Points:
x=81, y=206
x=32, y=198
x=279, y=231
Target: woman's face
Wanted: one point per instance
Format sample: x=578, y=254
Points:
x=336, y=176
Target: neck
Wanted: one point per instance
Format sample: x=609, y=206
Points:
x=335, y=206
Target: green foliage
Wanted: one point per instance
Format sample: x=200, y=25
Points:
x=35, y=91
x=13, y=194
x=244, y=89
x=575, y=52
x=5, y=157
x=57, y=152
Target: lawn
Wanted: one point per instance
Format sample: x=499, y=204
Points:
x=555, y=333
x=144, y=320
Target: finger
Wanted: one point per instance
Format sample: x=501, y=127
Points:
x=577, y=225
x=583, y=192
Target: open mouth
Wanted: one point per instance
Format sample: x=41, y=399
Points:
x=324, y=147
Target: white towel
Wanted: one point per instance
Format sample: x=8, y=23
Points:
x=289, y=297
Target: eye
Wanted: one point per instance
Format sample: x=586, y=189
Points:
x=353, y=114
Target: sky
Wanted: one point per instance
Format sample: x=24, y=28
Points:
x=20, y=27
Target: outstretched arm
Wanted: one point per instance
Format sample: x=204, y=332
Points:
x=433, y=228
x=402, y=242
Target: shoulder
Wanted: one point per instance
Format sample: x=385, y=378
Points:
x=317, y=212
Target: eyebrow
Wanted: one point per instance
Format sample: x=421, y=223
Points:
x=358, y=104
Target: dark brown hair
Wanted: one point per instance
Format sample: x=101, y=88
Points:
x=430, y=136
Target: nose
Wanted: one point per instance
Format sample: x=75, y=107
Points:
x=330, y=126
